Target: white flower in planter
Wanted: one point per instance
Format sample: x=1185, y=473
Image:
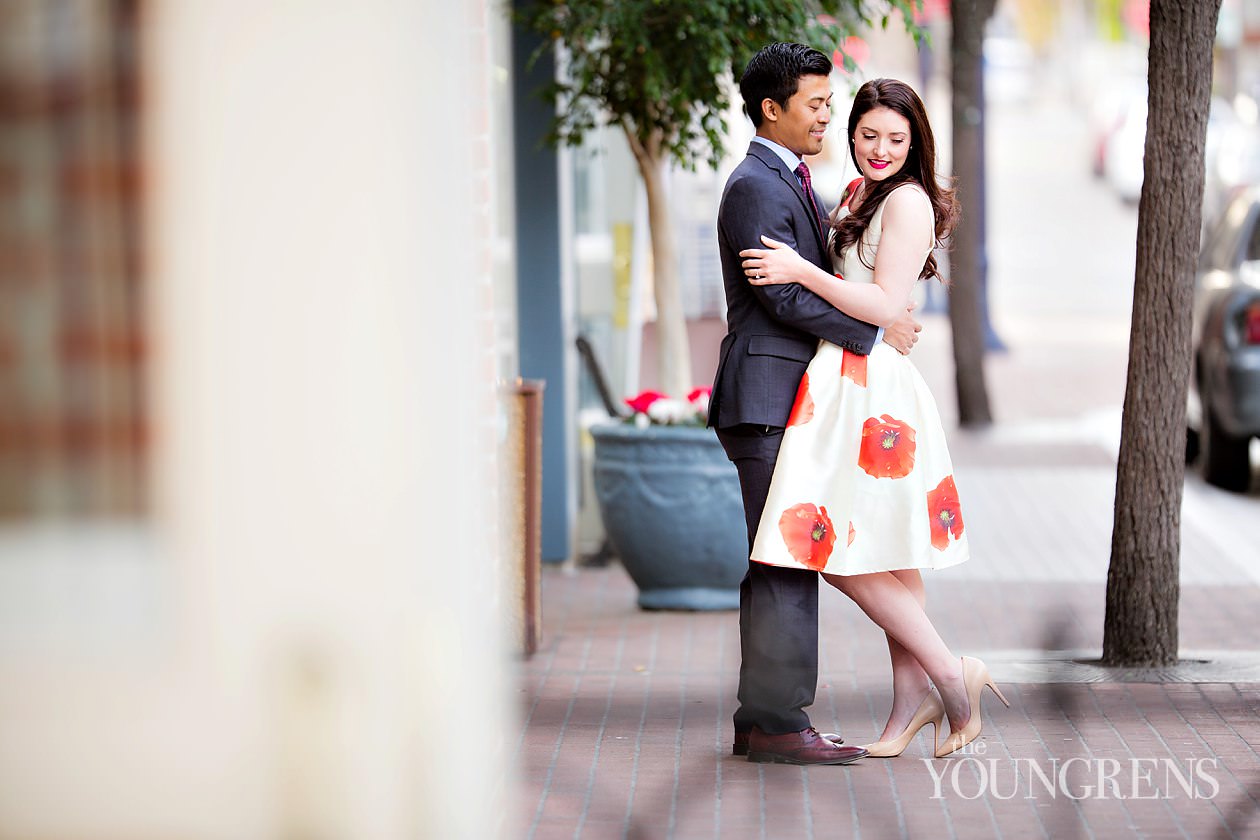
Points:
x=669, y=411
x=655, y=408
x=700, y=399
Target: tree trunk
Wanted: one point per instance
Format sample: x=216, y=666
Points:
x=966, y=55
x=1140, y=627
x=673, y=350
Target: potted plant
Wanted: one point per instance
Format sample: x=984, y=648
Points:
x=671, y=504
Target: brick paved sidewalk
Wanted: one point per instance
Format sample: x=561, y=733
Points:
x=627, y=728
x=626, y=714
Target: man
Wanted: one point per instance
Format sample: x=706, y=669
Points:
x=772, y=333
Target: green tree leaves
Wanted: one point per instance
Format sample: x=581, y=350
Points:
x=662, y=69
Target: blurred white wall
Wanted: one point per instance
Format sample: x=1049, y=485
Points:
x=326, y=663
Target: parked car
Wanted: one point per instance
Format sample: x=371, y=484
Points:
x=1108, y=110
x=1233, y=159
x=1224, y=409
x=1124, y=149
x=1231, y=151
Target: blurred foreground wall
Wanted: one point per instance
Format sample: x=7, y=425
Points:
x=308, y=647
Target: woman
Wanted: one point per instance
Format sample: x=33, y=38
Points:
x=864, y=440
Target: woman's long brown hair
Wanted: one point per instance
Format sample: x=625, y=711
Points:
x=919, y=168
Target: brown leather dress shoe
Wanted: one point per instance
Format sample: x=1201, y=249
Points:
x=740, y=746
x=804, y=747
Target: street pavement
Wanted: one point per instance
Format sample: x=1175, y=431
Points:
x=625, y=714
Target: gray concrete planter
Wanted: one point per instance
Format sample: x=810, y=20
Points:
x=671, y=505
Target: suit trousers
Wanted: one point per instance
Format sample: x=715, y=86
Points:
x=778, y=607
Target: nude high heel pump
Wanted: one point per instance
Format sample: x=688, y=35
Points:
x=931, y=710
x=975, y=678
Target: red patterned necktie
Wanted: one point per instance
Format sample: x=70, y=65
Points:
x=802, y=172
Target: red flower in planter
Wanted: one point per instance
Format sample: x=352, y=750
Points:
x=854, y=367
x=697, y=393
x=808, y=533
x=887, y=447
x=803, y=408
x=944, y=513
x=641, y=402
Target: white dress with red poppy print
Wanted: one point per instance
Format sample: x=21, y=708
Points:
x=864, y=482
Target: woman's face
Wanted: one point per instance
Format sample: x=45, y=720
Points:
x=881, y=143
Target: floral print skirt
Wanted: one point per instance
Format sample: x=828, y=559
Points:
x=863, y=482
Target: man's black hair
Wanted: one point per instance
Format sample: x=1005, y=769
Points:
x=775, y=73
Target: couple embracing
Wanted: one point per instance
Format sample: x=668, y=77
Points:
x=838, y=443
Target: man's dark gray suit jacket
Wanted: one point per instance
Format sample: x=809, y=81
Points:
x=772, y=331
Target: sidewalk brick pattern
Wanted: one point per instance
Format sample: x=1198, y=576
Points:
x=626, y=728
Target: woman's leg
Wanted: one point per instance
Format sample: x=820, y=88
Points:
x=910, y=682
x=890, y=603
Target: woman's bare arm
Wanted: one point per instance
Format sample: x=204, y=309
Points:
x=898, y=261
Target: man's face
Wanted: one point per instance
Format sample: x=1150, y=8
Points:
x=801, y=125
